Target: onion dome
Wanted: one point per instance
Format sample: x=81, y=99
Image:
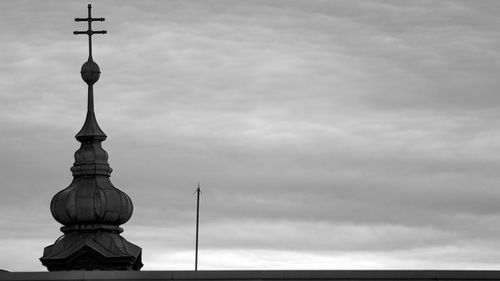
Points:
x=91, y=202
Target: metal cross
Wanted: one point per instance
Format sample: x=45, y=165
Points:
x=89, y=31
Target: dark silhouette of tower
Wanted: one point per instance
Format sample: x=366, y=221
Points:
x=91, y=208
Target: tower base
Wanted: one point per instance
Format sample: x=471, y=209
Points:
x=99, y=250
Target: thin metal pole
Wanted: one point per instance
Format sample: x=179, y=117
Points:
x=197, y=225
x=90, y=31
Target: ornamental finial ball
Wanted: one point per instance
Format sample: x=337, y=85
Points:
x=90, y=72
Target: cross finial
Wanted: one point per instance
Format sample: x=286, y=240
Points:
x=89, y=31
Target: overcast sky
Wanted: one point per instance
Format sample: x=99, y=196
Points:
x=325, y=134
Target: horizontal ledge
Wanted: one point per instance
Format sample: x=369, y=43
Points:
x=350, y=275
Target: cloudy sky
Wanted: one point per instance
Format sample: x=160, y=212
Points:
x=325, y=134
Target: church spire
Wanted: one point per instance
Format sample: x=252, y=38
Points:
x=90, y=74
x=91, y=209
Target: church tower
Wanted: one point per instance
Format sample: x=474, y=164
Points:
x=91, y=209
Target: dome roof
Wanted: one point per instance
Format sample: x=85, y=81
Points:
x=91, y=201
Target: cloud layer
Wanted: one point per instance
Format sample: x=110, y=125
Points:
x=326, y=134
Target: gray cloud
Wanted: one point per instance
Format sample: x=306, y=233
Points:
x=356, y=134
